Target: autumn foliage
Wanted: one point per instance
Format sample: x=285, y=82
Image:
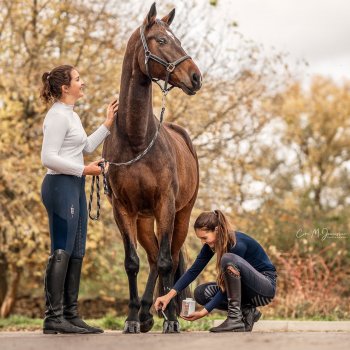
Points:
x=273, y=153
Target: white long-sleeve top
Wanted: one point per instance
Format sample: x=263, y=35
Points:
x=65, y=141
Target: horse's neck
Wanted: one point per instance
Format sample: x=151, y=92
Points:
x=135, y=112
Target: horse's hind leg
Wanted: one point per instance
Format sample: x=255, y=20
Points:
x=148, y=240
x=181, y=225
x=127, y=227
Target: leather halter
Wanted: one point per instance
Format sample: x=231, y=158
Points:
x=170, y=66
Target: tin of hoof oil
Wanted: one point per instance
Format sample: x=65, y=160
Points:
x=188, y=307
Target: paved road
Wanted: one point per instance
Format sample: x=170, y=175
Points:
x=115, y=340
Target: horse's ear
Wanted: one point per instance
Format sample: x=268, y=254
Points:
x=151, y=17
x=169, y=18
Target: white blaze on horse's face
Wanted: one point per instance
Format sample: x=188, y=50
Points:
x=170, y=34
x=162, y=43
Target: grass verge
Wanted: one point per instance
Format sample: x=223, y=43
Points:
x=110, y=322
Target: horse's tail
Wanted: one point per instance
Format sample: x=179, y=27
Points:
x=186, y=293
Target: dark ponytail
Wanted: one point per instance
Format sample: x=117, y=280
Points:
x=225, y=236
x=45, y=90
x=53, y=82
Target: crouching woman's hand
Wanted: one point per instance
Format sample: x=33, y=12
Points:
x=195, y=315
x=163, y=301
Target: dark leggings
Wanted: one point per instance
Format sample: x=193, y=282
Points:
x=257, y=288
x=65, y=202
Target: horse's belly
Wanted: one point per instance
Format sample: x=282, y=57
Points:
x=130, y=190
x=142, y=186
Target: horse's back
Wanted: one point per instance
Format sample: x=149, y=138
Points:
x=179, y=130
x=186, y=163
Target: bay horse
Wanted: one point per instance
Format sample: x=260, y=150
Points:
x=162, y=186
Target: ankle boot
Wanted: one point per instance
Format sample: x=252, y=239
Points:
x=250, y=316
x=71, y=291
x=234, y=321
x=54, y=284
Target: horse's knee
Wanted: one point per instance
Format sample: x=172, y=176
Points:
x=132, y=264
x=165, y=265
x=230, y=262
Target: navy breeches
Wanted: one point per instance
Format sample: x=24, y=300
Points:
x=257, y=288
x=65, y=202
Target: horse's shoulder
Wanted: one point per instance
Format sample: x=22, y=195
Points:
x=183, y=133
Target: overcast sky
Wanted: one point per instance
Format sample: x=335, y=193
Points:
x=315, y=30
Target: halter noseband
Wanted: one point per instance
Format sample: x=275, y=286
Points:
x=170, y=66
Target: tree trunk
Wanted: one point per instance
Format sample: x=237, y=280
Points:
x=10, y=297
x=3, y=277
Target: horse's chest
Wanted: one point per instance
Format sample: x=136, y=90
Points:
x=140, y=183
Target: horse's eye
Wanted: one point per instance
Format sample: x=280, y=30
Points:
x=161, y=41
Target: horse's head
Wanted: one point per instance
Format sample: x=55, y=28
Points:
x=162, y=43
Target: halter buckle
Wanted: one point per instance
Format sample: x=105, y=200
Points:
x=147, y=56
x=170, y=67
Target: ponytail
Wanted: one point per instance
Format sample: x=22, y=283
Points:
x=225, y=237
x=45, y=93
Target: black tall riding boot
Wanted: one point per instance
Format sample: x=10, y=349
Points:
x=71, y=291
x=54, y=284
x=250, y=315
x=234, y=320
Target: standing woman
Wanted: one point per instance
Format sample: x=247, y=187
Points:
x=63, y=195
x=246, y=278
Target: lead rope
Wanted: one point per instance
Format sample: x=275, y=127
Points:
x=102, y=164
x=98, y=197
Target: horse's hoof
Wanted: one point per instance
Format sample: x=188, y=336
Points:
x=131, y=327
x=146, y=325
x=171, y=327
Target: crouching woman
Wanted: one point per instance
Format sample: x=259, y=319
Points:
x=246, y=278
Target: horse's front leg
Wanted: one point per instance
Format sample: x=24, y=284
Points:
x=127, y=227
x=165, y=226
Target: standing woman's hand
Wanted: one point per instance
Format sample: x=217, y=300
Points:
x=112, y=109
x=93, y=168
